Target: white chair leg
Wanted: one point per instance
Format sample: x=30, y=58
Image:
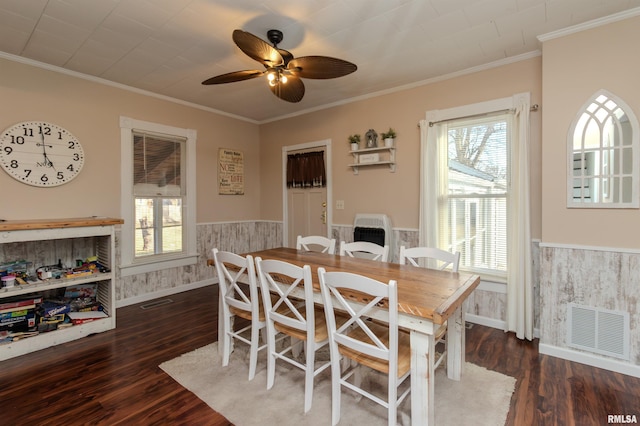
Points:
x=357, y=380
x=308, y=377
x=271, y=358
x=336, y=391
x=226, y=336
x=393, y=401
x=253, y=356
x=296, y=347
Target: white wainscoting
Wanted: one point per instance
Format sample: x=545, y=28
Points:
x=599, y=277
x=238, y=237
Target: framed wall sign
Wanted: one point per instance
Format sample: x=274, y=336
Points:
x=230, y=172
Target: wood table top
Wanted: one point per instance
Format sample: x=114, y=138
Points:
x=422, y=292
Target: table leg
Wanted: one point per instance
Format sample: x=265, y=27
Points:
x=455, y=344
x=422, y=379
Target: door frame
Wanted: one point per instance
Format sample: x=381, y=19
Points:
x=326, y=146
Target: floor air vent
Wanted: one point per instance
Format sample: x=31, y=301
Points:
x=599, y=330
x=156, y=304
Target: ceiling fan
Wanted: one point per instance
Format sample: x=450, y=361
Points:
x=283, y=71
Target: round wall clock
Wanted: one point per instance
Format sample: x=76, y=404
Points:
x=40, y=154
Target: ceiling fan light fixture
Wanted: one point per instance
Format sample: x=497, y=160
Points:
x=280, y=66
x=276, y=76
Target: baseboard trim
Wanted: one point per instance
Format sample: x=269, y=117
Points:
x=589, y=359
x=164, y=292
x=487, y=322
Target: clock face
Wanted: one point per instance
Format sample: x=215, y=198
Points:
x=40, y=154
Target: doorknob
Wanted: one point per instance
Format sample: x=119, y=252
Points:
x=324, y=213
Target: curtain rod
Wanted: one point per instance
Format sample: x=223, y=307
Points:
x=534, y=107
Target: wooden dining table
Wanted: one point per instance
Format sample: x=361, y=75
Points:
x=427, y=298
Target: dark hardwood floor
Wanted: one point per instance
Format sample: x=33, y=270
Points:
x=113, y=378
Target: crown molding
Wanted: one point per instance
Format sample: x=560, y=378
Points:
x=590, y=24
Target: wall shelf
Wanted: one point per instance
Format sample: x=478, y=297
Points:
x=386, y=157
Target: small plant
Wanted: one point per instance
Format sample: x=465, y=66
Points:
x=354, y=139
x=390, y=134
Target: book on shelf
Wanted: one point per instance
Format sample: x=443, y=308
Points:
x=17, y=313
x=84, y=317
x=50, y=309
x=19, y=323
x=19, y=302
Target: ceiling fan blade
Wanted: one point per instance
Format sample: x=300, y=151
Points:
x=291, y=91
x=233, y=76
x=321, y=67
x=257, y=49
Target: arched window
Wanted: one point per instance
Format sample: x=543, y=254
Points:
x=603, y=155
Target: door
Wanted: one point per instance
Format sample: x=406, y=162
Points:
x=307, y=212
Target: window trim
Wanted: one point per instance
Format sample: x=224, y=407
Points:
x=129, y=265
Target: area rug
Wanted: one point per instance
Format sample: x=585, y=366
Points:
x=481, y=397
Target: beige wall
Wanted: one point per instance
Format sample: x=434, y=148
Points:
x=377, y=190
x=91, y=111
x=574, y=68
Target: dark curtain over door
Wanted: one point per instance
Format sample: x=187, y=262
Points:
x=306, y=170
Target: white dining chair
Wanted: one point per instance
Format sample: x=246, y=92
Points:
x=372, y=344
x=316, y=243
x=240, y=300
x=436, y=259
x=296, y=317
x=365, y=249
x=442, y=258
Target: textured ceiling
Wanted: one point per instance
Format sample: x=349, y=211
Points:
x=168, y=47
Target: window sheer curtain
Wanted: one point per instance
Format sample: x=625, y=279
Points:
x=519, y=278
x=433, y=201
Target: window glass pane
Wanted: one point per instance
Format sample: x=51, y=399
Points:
x=159, y=226
x=477, y=183
x=144, y=224
x=171, y=225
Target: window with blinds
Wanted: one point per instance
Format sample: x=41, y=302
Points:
x=158, y=164
x=475, y=208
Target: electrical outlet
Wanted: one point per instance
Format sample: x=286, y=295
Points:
x=339, y=204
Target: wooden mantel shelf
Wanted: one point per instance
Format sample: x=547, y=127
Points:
x=16, y=225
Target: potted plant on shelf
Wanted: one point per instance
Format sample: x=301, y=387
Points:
x=389, y=136
x=354, y=141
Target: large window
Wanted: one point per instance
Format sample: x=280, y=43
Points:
x=158, y=199
x=476, y=196
x=475, y=185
